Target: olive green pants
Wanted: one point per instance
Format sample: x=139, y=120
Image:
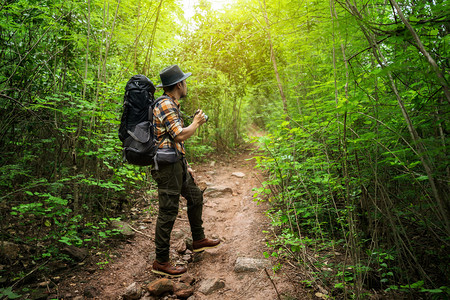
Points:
x=174, y=180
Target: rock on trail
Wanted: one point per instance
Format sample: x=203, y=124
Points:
x=247, y=264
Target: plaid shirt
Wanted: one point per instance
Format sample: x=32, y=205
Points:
x=167, y=119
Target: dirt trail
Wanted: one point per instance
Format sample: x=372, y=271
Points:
x=229, y=214
x=239, y=222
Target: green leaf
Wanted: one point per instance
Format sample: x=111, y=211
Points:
x=339, y=285
x=7, y=292
x=422, y=178
x=433, y=291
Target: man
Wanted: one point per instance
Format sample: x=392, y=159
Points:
x=175, y=179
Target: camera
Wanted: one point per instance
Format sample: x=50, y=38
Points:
x=206, y=116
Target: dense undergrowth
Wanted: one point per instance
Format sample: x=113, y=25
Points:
x=350, y=233
x=357, y=155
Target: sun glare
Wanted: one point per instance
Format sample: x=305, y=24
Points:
x=189, y=6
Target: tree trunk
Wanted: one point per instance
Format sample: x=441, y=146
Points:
x=273, y=58
x=152, y=38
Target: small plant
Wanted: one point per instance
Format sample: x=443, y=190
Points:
x=100, y=231
x=106, y=260
x=382, y=259
x=101, y=264
x=277, y=267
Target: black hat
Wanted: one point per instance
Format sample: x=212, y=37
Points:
x=172, y=75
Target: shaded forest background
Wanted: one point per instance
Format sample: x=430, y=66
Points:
x=354, y=97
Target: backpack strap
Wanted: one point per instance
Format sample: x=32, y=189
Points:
x=150, y=116
x=165, y=135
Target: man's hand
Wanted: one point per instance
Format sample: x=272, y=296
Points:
x=189, y=169
x=187, y=132
x=199, y=117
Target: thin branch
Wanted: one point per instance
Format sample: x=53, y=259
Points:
x=273, y=283
x=31, y=112
x=144, y=234
x=29, y=273
x=34, y=45
x=422, y=49
x=148, y=56
x=367, y=48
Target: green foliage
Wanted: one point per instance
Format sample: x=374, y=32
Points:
x=358, y=160
x=344, y=169
x=100, y=231
x=196, y=149
x=7, y=292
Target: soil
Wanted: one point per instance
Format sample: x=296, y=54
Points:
x=233, y=216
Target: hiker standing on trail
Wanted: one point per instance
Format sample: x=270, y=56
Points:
x=175, y=178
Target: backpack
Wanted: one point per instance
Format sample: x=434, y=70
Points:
x=136, y=130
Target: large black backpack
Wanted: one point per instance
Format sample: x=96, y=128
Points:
x=136, y=127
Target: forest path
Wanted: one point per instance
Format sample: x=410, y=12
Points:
x=230, y=213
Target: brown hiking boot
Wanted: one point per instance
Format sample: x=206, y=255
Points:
x=203, y=244
x=168, y=269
